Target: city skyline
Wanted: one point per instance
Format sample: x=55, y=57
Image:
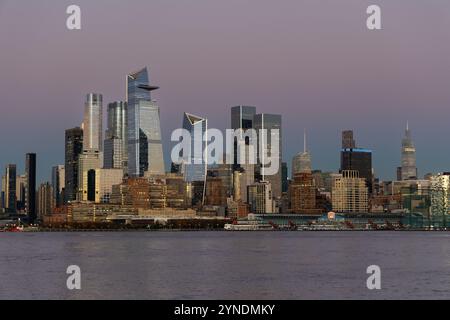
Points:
x=383, y=90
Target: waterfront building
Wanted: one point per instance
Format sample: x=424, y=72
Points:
x=350, y=193
x=408, y=169
x=440, y=198
x=9, y=187
x=260, y=197
x=302, y=194
x=30, y=188
x=145, y=152
x=216, y=192
x=73, y=150
x=269, y=122
x=115, y=145
x=44, y=200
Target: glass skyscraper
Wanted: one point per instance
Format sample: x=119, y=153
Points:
x=92, y=122
x=115, y=145
x=145, y=152
x=194, y=166
x=30, y=193
x=408, y=169
x=73, y=151
x=269, y=122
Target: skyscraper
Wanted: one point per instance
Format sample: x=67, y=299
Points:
x=115, y=146
x=349, y=193
x=45, y=200
x=10, y=188
x=73, y=150
x=301, y=163
x=195, y=166
x=347, y=140
x=243, y=117
x=358, y=159
x=145, y=152
x=30, y=193
x=92, y=122
x=408, y=169
x=58, y=181
x=269, y=122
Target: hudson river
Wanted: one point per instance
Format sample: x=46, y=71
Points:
x=225, y=265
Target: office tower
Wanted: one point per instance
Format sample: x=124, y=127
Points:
x=73, y=151
x=302, y=193
x=242, y=117
x=440, y=198
x=89, y=161
x=347, y=140
x=58, y=180
x=260, y=197
x=358, y=159
x=284, y=178
x=349, y=193
x=145, y=152
x=92, y=122
x=2, y=195
x=30, y=193
x=21, y=183
x=115, y=146
x=45, y=200
x=194, y=165
x=216, y=192
x=301, y=163
x=408, y=169
x=269, y=122
x=10, y=188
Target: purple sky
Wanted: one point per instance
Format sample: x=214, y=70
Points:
x=313, y=61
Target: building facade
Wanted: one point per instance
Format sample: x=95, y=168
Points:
x=73, y=150
x=145, y=152
x=350, y=193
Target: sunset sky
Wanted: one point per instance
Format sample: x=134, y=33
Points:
x=312, y=61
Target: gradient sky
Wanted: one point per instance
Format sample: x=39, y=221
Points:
x=313, y=61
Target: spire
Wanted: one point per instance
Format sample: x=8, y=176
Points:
x=407, y=125
x=304, y=140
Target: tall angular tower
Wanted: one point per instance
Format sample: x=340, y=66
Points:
x=145, y=152
x=409, y=169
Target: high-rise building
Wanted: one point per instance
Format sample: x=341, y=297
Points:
x=194, y=165
x=89, y=161
x=260, y=197
x=301, y=163
x=302, y=193
x=10, y=188
x=242, y=117
x=145, y=152
x=115, y=146
x=30, y=194
x=58, y=180
x=440, y=199
x=347, y=140
x=269, y=122
x=349, y=193
x=408, y=169
x=45, y=200
x=359, y=159
x=21, y=183
x=92, y=122
x=73, y=151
